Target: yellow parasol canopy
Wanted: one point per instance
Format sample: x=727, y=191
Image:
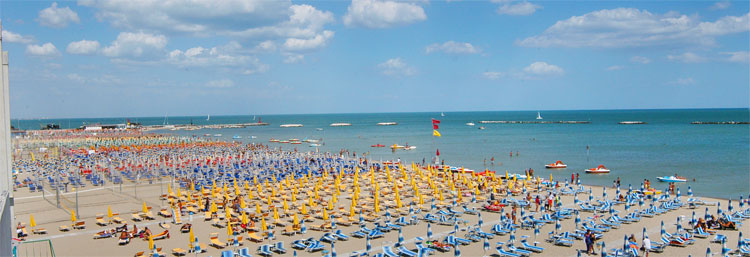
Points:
x=73, y=216
x=109, y=211
x=191, y=238
x=32, y=222
x=145, y=208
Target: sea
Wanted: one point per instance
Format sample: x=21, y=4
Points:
x=714, y=158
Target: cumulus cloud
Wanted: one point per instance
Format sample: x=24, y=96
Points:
x=640, y=59
x=615, y=67
x=228, y=56
x=721, y=5
x=453, y=47
x=686, y=57
x=517, y=8
x=629, y=27
x=11, y=37
x=683, y=81
x=293, y=58
x=56, y=17
x=104, y=79
x=741, y=56
x=129, y=44
x=377, y=14
x=83, y=47
x=396, y=67
x=273, y=22
x=46, y=50
x=543, y=68
x=222, y=83
x=305, y=44
x=493, y=75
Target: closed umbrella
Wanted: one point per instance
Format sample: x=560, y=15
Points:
x=730, y=207
x=429, y=231
x=578, y=219
x=536, y=232
x=456, y=251
x=480, y=222
x=708, y=251
x=333, y=249
x=604, y=250
x=486, y=245
x=400, y=238
x=662, y=228
x=368, y=246
x=679, y=225
x=557, y=226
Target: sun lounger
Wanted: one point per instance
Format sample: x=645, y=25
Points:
x=515, y=250
x=165, y=213
x=529, y=247
x=214, y=241
x=39, y=231
x=100, y=221
x=244, y=252
x=504, y=253
x=149, y=216
x=252, y=236
x=79, y=225
x=179, y=252
x=264, y=250
x=164, y=234
x=136, y=217
x=278, y=247
x=230, y=241
x=388, y=251
x=118, y=220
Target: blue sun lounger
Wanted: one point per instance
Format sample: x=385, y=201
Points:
x=406, y=252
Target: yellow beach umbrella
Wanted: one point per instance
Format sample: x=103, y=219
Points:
x=32, y=222
x=151, y=242
x=304, y=209
x=109, y=212
x=169, y=189
x=191, y=238
x=247, y=186
x=73, y=216
x=244, y=218
x=275, y=214
x=257, y=208
x=243, y=205
x=230, y=231
x=213, y=207
x=325, y=214
x=263, y=224
x=296, y=220
x=145, y=208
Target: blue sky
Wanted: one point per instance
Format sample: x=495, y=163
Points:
x=151, y=58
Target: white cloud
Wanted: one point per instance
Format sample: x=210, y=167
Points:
x=615, y=67
x=104, y=79
x=57, y=17
x=683, y=81
x=741, y=56
x=628, y=27
x=640, y=59
x=493, y=75
x=377, y=14
x=293, y=58
x=11, y=37
x=83, y=47
x=47, y=49
x=228, y=56
x=301, y=44
x=543, y=68
x=517, y=8
x=396, y=67
x=721, y=5
x=272, y=22
x=453, y=47
x=139, y=44
x=686, y=57
x=222, y=83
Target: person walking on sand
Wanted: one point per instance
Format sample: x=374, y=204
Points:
x=646, y=246
x=538, y=202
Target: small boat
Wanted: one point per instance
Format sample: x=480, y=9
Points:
x=411, y=147
x=314, y=145
x=217, y=135
x=396, y=146
x=340, y=124
x=538, y=116
x=290, y=125
x=481, y=127
x=377, y=145
x=557, y=165
x=273, y=140
x=672, y=179
x=284, y=141
x=319, y=129
x=391, y=163
x=461, y=170
x=390, y=123
x=600, y=169
x=470, y=124
x=253, y=137
x=207, y=135
x=237, y=137
x=208, y=118
x=295, y=142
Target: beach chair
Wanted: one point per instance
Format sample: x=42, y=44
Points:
x=700, y=233
x=406, y=252
x=388, y=251
x=39, y=231
x=100, y=221
x=214, y=241
x=264, y=250
x=244, y=252
x=718, y=238
x=515, y=250
x=278, y=247
x=165, y=213
x=314, y=246
x=164, y=234
x=299, y=244
x=118, y=220
x=328, y=238
x=179, y=252
x=504, y=253
x=528, y=247
x=136, y=217
x=79, y=225
x=340, y=235
x=227, y=253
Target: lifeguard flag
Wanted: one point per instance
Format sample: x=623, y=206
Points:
x=434, y=121
x=438, y=152
x=436, y=133
x=435, y=126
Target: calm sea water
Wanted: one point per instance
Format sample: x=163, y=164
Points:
x=716, y=156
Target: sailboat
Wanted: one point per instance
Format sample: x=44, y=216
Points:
x=208, y=118
x=538, y=116
x=253, y=117
x=442, y=114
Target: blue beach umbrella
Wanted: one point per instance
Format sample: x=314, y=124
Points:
x=627, y=207
x=536, y=233
x=481, y=222
x=617, y=193
x=692, y=219
x=400, y=238
x=742, y=203
x=368, y=246
x=455, y=227
x=604, y=250
x=604, y=193
x=641, y=202
x=578, y=219
x=523, y=213
x=630, y=188
x=575, y=199
x=678, y=193
x=679, y=225
x=432, y=205
x=295, y=253
x=333, y=249
x=333, y=223
x=486, y=245
x=591, y=196
x=512, y=239
x=456, y=251
x=739, y=241
x=662, y=228
x=197, y=247
x=690, y=191
x=644, y=235
x=730, y=207
x=718, y=209
x=429, y=230
x=474, y=198
x=724, y=249
x=557, y=226
x=625, y=242
x=361, y=219
x=156, y=253
x=706, y=216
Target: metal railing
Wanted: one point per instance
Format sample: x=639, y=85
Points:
x=35, y=248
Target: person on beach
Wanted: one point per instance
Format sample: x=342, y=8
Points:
x=538, y=202
x=492, y=161
x=646, y=246
x=589, y=244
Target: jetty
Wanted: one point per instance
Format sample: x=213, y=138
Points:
x=719, y=122
x=631, y=122
x=291, y=125
x=533, y=122
x=390, y=123
x=340, y=124
x=198, y=127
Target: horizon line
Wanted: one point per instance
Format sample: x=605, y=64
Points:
x=454, y=111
